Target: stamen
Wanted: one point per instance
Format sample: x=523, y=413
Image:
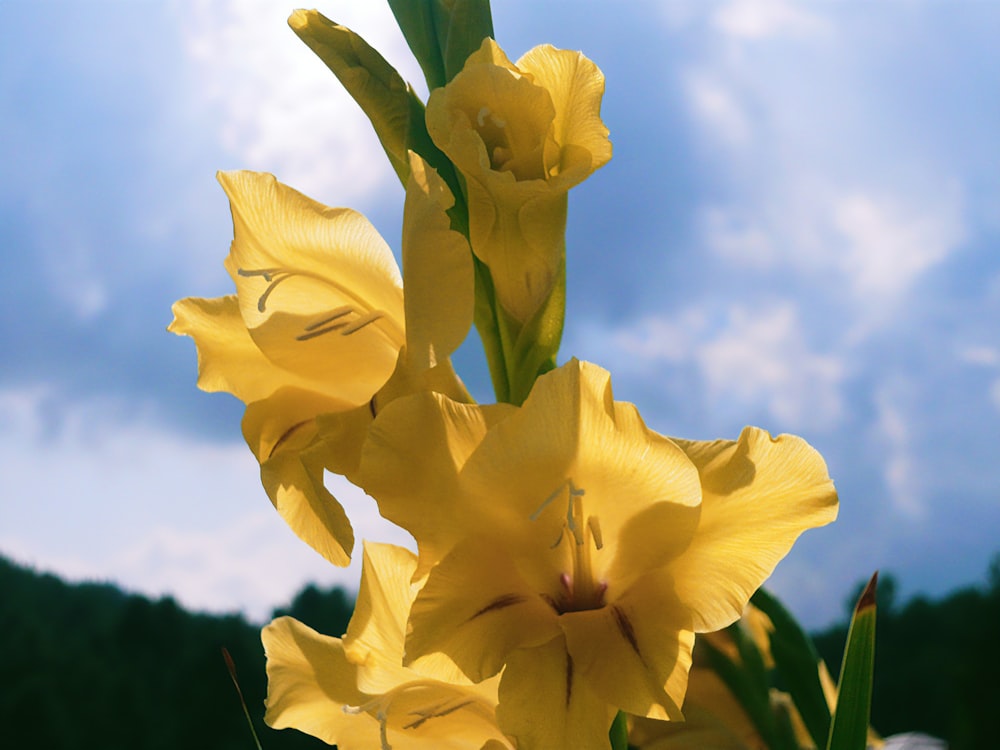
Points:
x=594, y=524
x=434, y=713
x=334, y=315
x=481, y=117
x=361, y=322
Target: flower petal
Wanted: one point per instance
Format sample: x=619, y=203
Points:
x=760, y=494
x=281, y=430
x=634, y=653
x=309, y=681
x=437, y=264
x=576, y=86
x=545, y=703
x=228, y=358
x=411, y=462
x=475, y=619
x=318, y=288
x=376, y=634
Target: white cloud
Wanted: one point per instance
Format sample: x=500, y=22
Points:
x=995, y=394
x=901, y=474
x=891, y=243
x=91, y=493
x=717, y=106
x=282, y=110
x=760, y=19
x=762, y=357
x=756, y=357
x=986, y=356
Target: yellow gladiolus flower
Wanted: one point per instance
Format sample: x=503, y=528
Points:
x=579, y=551
x=356, y=694
x=522, y=135
x=316, y=337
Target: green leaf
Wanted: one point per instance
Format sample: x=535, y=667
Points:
x=536, y=344
x=854, y=693
x=462, y=26
x=619, y=732
x=797, y=662
x=393, y=108
x=443, y=33
x=415, y=19
x=746, y=685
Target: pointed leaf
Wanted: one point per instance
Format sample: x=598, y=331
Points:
x=442, y=35
x=461, y=25
x=854, y=693
x=375, y=85
x=416, y=20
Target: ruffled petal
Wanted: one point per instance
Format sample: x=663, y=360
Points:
x=228, y=358
x=760, y=494
x=309, y=681
x=576, y=86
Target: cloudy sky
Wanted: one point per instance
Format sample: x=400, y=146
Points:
x=800, y=229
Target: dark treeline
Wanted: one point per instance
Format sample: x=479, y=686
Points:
x=87, y=666
x=937, y=663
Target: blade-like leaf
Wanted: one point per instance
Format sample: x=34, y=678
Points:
x=746, y=684
x=443, y=33
x=854, y=693
x=797, y=662
x=415, y=19
x=462, y=26
x=388, y=102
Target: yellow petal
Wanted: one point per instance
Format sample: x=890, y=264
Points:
x=281, y=430
x=309, y=681
x=489, y=118
x=759, y=494
x=318, y=288
x=411, y=462
x=634, y=655
x=376, y=634
x=477, y=620
x=437, y=263
x=228, y=359
x=576, y=86
x=546, y=704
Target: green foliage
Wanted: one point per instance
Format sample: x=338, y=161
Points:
x=936, y=666
x=88, y=666
x=849, y=730
x=796, y=661
x=443, y=33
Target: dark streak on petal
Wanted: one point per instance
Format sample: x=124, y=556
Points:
x=501, y=602
x=627, y=631
x=552, y=603
x=569, y=678
x=287, y=434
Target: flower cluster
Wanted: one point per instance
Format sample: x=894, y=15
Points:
x=567, y=554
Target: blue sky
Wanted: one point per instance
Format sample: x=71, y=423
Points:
x=799, y=229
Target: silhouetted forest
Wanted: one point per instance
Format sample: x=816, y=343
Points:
x=87, y=666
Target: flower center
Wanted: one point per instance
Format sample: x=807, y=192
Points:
x=578, y=589
x=493, y=130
